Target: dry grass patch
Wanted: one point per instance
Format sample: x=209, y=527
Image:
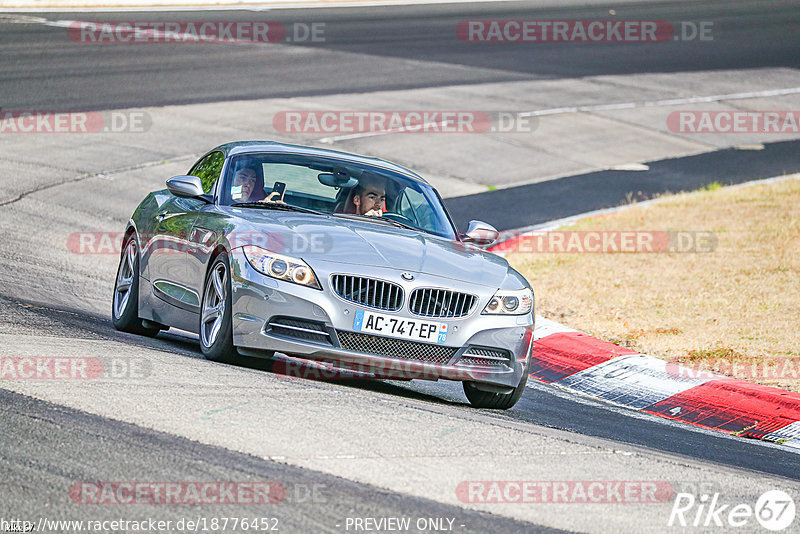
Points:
x=735, y=310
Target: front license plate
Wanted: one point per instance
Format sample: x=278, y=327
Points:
x=411, y=329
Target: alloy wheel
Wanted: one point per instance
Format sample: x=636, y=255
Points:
x=213, y=311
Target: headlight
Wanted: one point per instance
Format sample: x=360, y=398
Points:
x=517, y=302
x=281, y=267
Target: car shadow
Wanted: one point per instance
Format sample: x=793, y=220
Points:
x=292, y=368
x=80, y=323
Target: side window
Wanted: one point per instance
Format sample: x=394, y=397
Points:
x=208, y=170
x=415, y=207
x=405, y=208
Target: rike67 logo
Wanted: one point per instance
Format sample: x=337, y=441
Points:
x=774, y=510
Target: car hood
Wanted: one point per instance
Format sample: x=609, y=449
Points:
x=347, y=241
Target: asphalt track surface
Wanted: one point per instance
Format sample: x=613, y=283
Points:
x=41, y=69
x=540, y=405
x=38, y=429
x=44, y=444
x=541, y=202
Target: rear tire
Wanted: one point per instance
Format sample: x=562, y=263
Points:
x=125, y=302
x=216, y=330
x=496, y=401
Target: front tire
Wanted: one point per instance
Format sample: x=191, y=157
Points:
x=216, y=330
x=496, y=401
x=125, y=303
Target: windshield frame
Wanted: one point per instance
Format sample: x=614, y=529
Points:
x=430, y=194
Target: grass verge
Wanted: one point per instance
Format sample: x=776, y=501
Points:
x=734, y=310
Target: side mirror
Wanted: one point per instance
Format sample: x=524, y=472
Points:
x=480, y=233
x=185, y=186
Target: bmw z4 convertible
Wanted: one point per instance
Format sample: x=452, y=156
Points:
x=322, y=255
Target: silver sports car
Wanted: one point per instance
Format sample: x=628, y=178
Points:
x=321, y=255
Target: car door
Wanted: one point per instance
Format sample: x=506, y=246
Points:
x=174, y=240
x=207, y=226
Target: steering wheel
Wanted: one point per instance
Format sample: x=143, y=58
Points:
x=392, y=216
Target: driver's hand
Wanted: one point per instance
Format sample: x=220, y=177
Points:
x=375, y=213
x=275, y=196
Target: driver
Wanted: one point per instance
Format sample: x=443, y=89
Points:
x=369, y=196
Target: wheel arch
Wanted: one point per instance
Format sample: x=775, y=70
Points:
x=218, y=250
x=130, y=230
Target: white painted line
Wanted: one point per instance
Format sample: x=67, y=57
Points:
x=21, y=19
x=633, y=167
x=217, y=5
x=634, y=381
x=558, y=223
x=606, y=107
x=578, y=109
x=545, y=327
x=658, y=103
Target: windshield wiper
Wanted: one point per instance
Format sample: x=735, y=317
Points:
x=275, y=206
x=382, y=220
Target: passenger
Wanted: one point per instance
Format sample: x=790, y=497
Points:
x=248, y=185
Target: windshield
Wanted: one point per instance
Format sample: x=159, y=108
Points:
x=333, y=187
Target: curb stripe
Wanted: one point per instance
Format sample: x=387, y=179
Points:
x=599, y=369
x=558, y=356
x=764, y=429
x=789, y=433
x=635, y=381
x=731, y=406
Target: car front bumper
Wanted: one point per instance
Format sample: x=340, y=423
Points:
x=276, y=316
